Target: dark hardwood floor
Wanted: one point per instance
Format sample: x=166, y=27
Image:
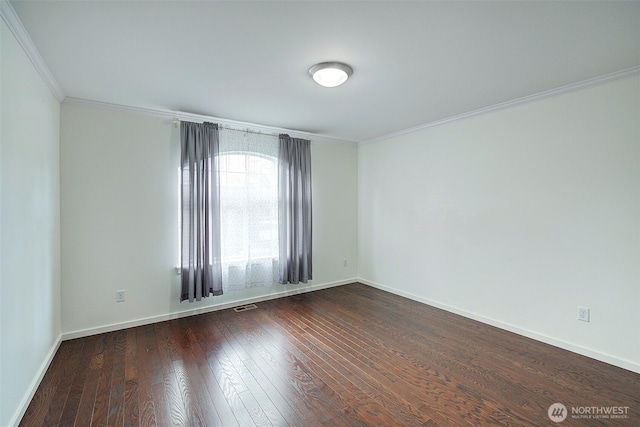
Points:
x=345, y=356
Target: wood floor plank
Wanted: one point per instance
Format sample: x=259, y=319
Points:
x=500, y=351
x=404, y=367
x=198, y=336
x=166, y=346
x=282, y=403
x=367, y=412
x=225, y=413
x=366, y=388
x=346, y=356
x=41, y=403
x=285, y=388
x=192, y=359
x=162, y=411
x=194, y=411
x=65, y=381
x=231, y=388
x=260, y=395
x=115, y=413
x=131, y=398
x=258, y=404
x=38, y=407
x=146, y=369
x=210, y=343
x=293, y=373
x=176, y=405
x=497, y=412
x=103, y=392
x=85, y=407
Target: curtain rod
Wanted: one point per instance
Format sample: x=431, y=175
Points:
x=176, y=122
x=227, y=127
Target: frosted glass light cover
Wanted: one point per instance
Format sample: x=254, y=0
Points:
x=330, y=74
x=330, y=77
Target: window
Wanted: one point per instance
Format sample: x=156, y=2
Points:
x=248, y=170
x=245, y=210
x=249, y=218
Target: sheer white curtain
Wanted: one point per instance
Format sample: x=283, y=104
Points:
x=248, y=169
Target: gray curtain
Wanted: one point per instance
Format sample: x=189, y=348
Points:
x=200, y=201
x=294, y=210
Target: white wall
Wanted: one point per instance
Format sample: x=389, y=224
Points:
x=29, y=228
x=516, y=217
x=119, y=220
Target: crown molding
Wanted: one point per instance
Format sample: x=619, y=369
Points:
x=10, y=17
x=618, y=75
x=170, y=115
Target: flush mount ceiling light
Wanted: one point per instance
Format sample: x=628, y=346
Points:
x=330, y=74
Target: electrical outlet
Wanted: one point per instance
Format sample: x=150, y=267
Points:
x=120, y=296
x=583, y=313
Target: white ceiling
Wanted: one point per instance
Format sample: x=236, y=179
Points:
x=414, y=62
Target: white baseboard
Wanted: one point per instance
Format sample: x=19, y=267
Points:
x=33, y=387
x=176, y=315
x=603, y=357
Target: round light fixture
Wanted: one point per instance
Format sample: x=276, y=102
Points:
x=330, y=74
